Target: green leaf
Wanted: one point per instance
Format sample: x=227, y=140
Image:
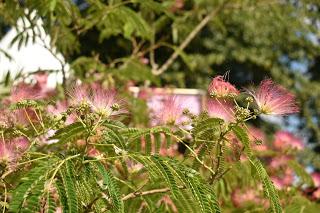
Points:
x=68, y=133
x=111, y=187
x=269, y=189
x=68, y=180
x=26, y=196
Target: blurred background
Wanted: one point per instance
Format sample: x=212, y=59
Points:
x=171, y=44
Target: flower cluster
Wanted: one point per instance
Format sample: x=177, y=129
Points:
x=102, y=101
x=11, y=150
x=270, y=99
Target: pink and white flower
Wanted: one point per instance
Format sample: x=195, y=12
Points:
x=285, y=140
x=11, y=150
x=316, y=179
x=169, y=112
x=273, y=99
x=246, y=196
x=106, y=102
x=58, y=109
x=98, y=99
x=255, y=135
x=220, y=88
x=221, y=108
x=79, y=94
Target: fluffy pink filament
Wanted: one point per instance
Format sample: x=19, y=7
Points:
x=79, y=94
x=273, y=99
x=220, y=88
x=170, y=111
x=221, y=108
x=21, y=92
x=11, y=150
x=103, y=101
x=256, y=134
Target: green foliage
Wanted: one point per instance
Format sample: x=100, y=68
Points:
x=110, y=185
x=68, y=178
x=258, y=168
x=104, y=165
x=32, y=191
x=68, y=133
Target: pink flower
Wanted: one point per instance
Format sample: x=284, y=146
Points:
x=255, y=135
x=273, y=99
x=166, y=200
x=58, y=109
x=106, y=102
x=98, y=99
x=93, y=152
x=280, y=161
x=221, y=108
x=41, y=85
x=21, y=92
x=220, y=88
x=11, y=150
x=169, y=112
x=242, y=197
x=278, y=183
x=285, y=140
x=284, y=180
x=79, y=94
x=316, y=179
x=316, y=194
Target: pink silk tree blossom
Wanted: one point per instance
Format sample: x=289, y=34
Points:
x=170, y=111
x=221, y=108
x=285, y=140
x=273, y=99
x=79, y=94
x=316, y=179
x=106, y=102
x=255, y=135
x=11, y=150
x=220, y=88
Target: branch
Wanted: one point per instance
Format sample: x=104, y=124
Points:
x=189, y=38
x=153, y=191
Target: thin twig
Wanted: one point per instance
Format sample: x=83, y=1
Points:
x=153, y=191
x=188, y=39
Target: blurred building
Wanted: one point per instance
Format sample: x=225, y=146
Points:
x=31, y=54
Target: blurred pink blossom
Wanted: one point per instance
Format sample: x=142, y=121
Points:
x=284, y=140
x=20, y=92
x=316, y=179
x=11, y=150
x=273, y=99
x=220, y=88
x=93, y=152
x=279, y=161
x=170, y=111
x=316, y=194
x=284, y=180
x=256, y=134
x=41, y=85
x=100, y=100
x=58, y=109
x=242, y=197
x=221, y=108
x=106, y=102
x=79, y=94
x=167, y=201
